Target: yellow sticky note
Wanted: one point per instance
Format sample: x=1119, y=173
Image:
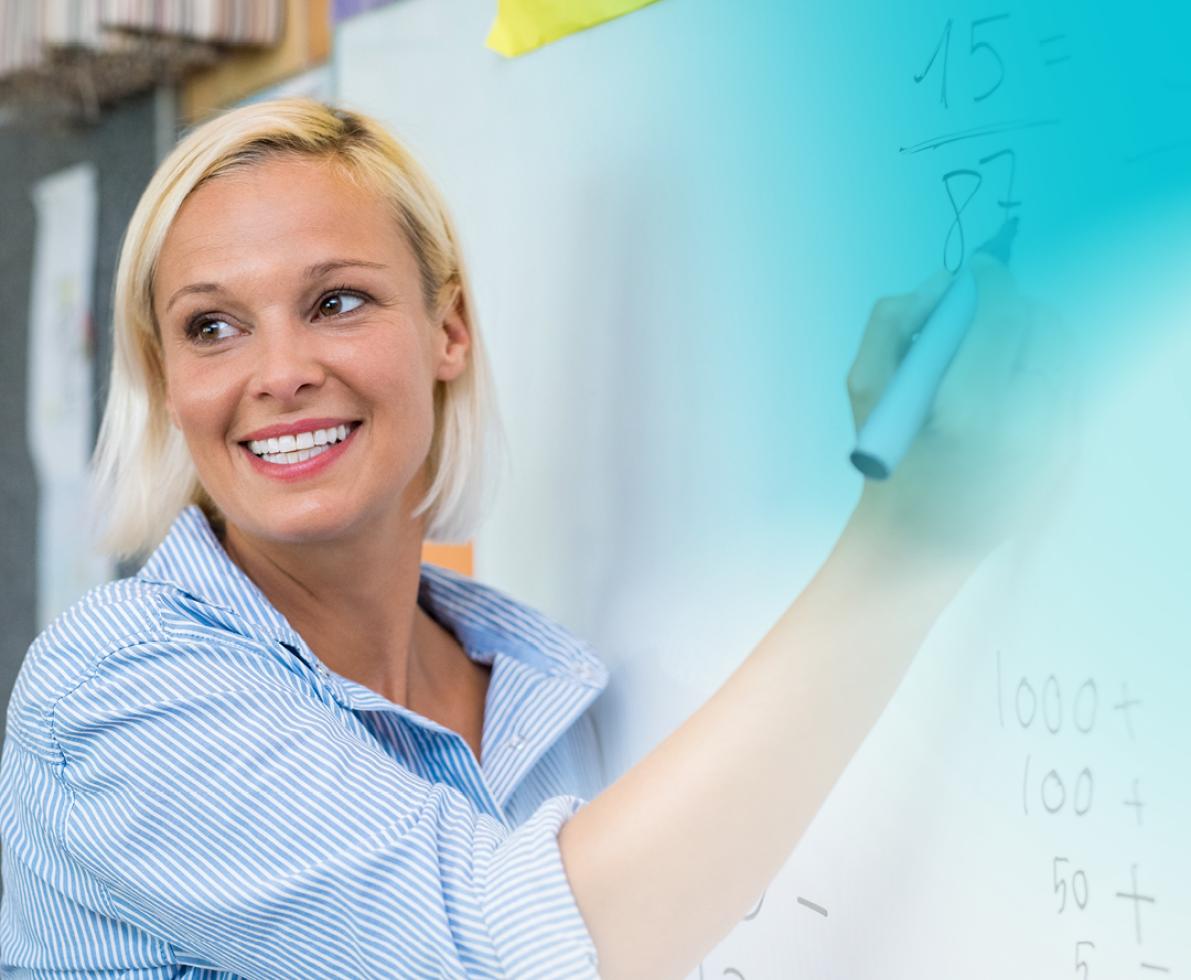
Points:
x=523, y=25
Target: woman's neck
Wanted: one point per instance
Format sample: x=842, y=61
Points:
x=354, y=602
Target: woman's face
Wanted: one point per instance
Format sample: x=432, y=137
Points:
x=300, y=360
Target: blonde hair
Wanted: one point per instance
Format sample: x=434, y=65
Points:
x=142, y=469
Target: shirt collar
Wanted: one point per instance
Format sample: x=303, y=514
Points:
x=485, y=620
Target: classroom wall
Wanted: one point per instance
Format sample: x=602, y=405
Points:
x=122, y=146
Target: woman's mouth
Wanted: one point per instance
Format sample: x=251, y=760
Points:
x=299, y=447
x=296, y=455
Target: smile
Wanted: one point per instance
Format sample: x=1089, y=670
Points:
x=297, y=447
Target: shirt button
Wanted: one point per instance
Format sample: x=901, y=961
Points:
x=583, y=672
x=516, y=742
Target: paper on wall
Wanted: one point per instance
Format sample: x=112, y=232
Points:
x=524, y=25
x=59, y=411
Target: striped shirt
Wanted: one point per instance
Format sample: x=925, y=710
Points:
x=186, y=790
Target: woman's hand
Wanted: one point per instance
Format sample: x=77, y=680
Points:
x=993, y=448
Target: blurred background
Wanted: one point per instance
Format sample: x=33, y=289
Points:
x=92, y=95
x=678, y=221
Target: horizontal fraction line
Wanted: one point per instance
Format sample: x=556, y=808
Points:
x=992, y=129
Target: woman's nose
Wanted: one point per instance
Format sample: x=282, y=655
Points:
x=288, y=362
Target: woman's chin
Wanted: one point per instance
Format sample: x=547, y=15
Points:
x=307, y=523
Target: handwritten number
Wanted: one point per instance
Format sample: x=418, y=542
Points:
x=956, y=230
x=1053, y=800
x=1080, y=962
x=1060, y=882
x=943, y=45
x=1079, y=886
x=1084, y=780
x=942, y=53
x=1076, y=891
x=975, y=46
x=1007, y=202
x=1025, y=719
x=1087, y=690
x=1052, y=725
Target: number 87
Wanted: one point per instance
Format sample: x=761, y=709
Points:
x=956, y=229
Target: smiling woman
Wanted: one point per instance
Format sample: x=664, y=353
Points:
x=301, y=194
x=288, y=748
x=259, y=343
x=284, y=725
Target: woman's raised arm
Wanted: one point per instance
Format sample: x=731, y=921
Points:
x=670, y=857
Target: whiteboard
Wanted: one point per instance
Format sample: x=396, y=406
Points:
x=677, y=224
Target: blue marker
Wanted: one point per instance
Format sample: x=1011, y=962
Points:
x=907, y=399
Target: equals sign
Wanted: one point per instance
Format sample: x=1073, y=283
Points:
x=1050, y=58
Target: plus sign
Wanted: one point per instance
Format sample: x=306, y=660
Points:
x=1137, y=898
x=1136, y=803
x=1124, y=705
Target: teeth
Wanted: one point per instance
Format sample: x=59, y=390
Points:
x=298, y=456
x=289, y=448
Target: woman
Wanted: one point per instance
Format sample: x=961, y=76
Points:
x=287, y=749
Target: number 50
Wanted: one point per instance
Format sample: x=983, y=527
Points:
x=1079, y=886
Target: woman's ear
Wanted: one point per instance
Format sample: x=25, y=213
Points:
x=453, y=337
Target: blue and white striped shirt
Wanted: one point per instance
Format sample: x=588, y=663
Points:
x=187, y=791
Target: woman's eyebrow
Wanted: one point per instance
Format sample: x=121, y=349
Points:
x=197, y=287
x=315, y=271
x=322, y=268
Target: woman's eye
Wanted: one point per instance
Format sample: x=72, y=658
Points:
x=209, y=331
x=337, y=303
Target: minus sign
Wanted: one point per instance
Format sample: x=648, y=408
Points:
x=1151, y=966
x=812, y=906
x=1057, y=61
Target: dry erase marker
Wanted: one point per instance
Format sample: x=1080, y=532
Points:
x=906, y=401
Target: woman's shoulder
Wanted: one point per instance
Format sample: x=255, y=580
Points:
x=111, y=617
x=136, y=646
x=108, y=618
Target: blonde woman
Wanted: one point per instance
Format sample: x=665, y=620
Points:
x=286, y=748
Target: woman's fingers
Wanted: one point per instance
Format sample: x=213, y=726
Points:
x=891, y=326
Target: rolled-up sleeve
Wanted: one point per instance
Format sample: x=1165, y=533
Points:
x=246, y=823
x=535, y=924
